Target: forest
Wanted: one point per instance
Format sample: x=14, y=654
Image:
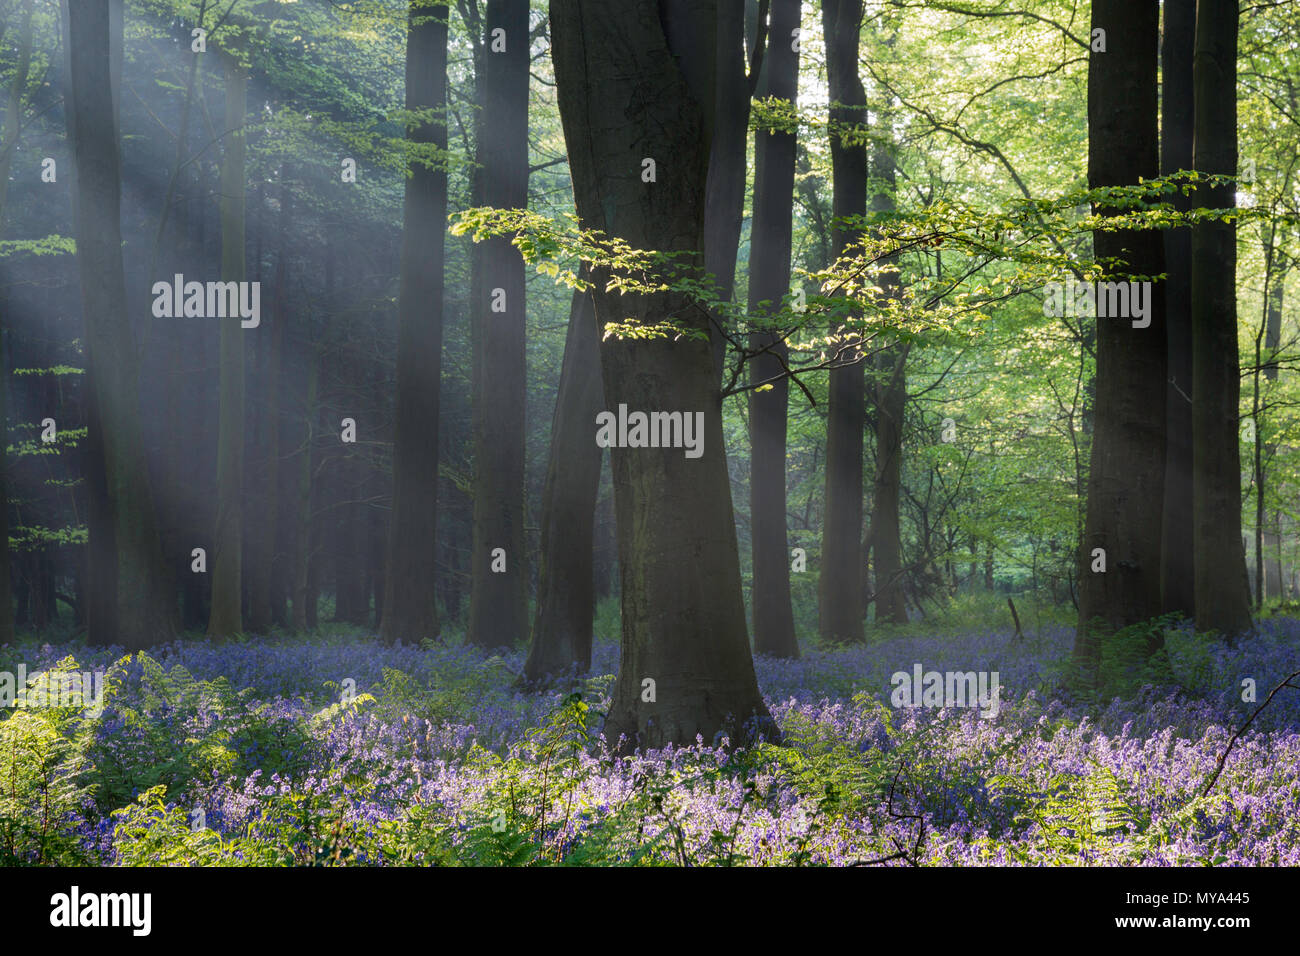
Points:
x=649, y=433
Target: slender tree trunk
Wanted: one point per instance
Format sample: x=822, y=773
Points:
x=410, y=611
x=724, y=192
x=1222, y=604
x=6, y=586
x=304, y=596
x=889, y=398
x=498, y=596
x=685, y=668
x=1177, y=567
x=260, y=538
x=141, y=598
x=227, y=559
x=769, y=281
x=565, y=601
x=1126, y=476
x=839, y=595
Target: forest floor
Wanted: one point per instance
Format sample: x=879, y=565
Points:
x=338, y=749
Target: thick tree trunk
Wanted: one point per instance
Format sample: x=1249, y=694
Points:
x=685, y=668
x=227, y=543
x=565, y=601
x=1177, y=564
x=9, y=143
x=839, y=594
x=769, y=281
x=141, y=598
x=1222, y=604
x=410, y=610
x=498, y=592
x=1126, y=475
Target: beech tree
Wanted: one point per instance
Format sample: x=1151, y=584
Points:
x=562, y=625
x=1119, y=567
x=140, y=603
x=228, y=540
x=685, y=668
x=1222, y=589
x=1177, y=567
x=498, y=597
x=839, y=595
x=410, y=612
x=769, y=281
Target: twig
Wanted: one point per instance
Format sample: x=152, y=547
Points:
x=1223, y=758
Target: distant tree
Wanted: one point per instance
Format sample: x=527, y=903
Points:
x=562, y=626
x=410, y=612
x=498, y=596
x=228, y=541
x=142, y=605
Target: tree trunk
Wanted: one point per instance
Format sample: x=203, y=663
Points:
x=264, y=494
x=685, y=668
x=141, y=598
x=304, y=590
x=1177, y=564
x=1127, y=469
x=769, y=281
x=565, y=600
x=889, y=398
x=410, y=610
x=839, y=595
x=1222, y=604
x=724, y=192
x=9, y=142
x=227, y=543
x=1275, y=278
x=498, y=596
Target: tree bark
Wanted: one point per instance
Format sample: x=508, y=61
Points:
x=1126, y=475
x=498, y=598
x=840, y=608
x=769, y=281
x=141, y=598
x=1177, y=564
x=889, y=398
x=410, y=610
x=226, y=617
x=1222, y=603
x=630, y=86
x=565, y=600
x=9, y=143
